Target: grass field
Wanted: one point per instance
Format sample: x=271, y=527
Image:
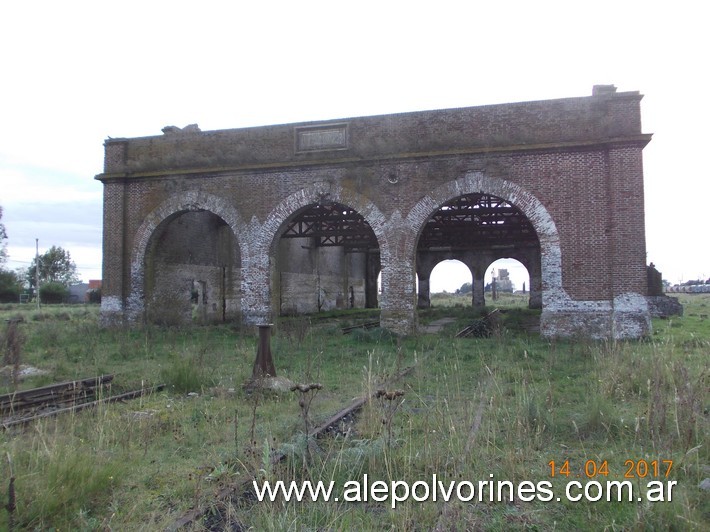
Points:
x=505, y=406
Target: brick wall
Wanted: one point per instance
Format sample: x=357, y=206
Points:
x=572, y=166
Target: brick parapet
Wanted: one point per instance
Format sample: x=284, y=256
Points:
x=517, y=126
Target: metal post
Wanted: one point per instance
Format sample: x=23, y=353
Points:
x=264, y=363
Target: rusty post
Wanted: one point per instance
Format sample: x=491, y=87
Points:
x=264, y=363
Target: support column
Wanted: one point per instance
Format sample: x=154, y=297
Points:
x=535, y=272
x=630, y=315
x=426, y=262
x=372, y=269
x=424, y=295
x=256, y=290
x=399, y=299
x=478, y=286
x=113, y=300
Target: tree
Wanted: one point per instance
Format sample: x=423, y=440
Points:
x=53, y=292
x=55, y=266
x=466, y=288
x=10, y=287
x=3, y=244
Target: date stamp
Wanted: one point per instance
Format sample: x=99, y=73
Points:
x=637, y=480
x=600, y=468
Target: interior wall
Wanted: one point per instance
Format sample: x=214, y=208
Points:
x=192, y=272
x=314, y=279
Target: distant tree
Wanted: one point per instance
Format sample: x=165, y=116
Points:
x=55, y=266
x=10, y=287
x=53, y=292
x=466, y=288
x=692, y=282
x=3, y=244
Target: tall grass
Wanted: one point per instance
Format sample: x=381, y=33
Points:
x=504, y=406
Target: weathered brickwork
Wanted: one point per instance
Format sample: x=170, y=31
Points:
x=572, y=166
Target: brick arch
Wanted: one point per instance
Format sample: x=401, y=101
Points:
x=256, y=304
x=173, y=206
x=310, y=195
x=529, y=205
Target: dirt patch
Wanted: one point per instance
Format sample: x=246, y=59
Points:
x=25, y=372
x=437, y=326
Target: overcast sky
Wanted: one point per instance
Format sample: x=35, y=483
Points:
x=74, y=73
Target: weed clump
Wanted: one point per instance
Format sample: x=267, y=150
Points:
x=376, y=335
x=186, y=374
x=12, y=349
x=600, y=419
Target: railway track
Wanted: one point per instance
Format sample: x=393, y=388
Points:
x=55, y=395
x=365, y=326
x=234, y=490
x=26, y=406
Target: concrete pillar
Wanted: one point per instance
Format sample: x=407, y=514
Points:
x=372, y=270
x=423, y=296
x=534, y=270
x=478, y=286
x=535, y=300
x=426, y=262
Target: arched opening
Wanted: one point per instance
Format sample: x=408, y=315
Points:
x=326, y=257
x=450, y=282
x=508, y=281
x=448, y=276
x=475, y=229
x=192, y=270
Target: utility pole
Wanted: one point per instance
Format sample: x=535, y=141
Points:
x=37, y=271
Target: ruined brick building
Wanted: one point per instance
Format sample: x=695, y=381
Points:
x=248, y=224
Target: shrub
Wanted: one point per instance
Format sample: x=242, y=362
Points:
x=53, y=292
x=10, y=287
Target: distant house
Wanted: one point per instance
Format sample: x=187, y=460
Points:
x=93, y=294
x=77, y=293
x=80, y=292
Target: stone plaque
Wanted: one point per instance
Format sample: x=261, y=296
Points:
x=317, y=138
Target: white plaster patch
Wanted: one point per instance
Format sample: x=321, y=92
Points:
x=631, y=317
x=111, y=304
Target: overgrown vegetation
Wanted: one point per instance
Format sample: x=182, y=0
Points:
x=53, y=293
x=505, y=406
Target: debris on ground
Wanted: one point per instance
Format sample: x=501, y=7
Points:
x=482, y=327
